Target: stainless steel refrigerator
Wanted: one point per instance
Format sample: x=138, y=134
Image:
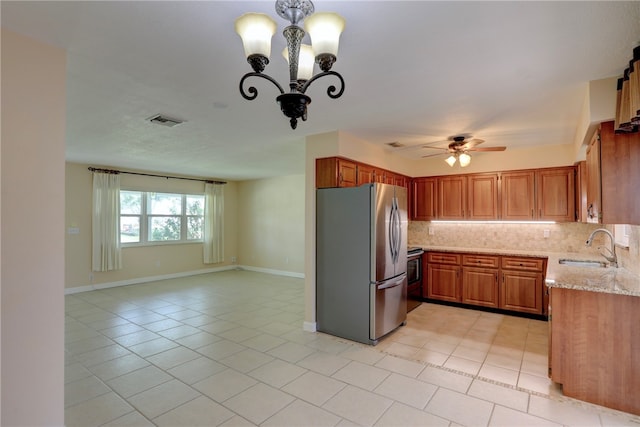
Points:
x=361, y=261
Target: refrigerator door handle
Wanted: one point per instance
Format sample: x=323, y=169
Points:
x=392, y=283
x=397, y=230
x=392, y=232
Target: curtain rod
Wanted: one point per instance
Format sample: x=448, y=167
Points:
x=115, y=172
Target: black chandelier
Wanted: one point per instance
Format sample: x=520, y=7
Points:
x=256, y=30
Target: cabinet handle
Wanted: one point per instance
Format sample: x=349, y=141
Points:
x=503, y=278
x=540, y=213
x=340, y=178
x=531, y=213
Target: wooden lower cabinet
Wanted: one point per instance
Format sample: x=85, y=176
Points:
x=442, y=271
x=522, y=291
x=480, y=279
x=522, y=287
x=480, y=286
x=594, y=349
x=443, y=282
x=504, y=282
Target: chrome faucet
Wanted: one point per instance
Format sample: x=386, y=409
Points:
x=612, y=258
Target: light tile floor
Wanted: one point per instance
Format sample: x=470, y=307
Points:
x=228, y=349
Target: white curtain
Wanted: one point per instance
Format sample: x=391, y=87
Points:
x=213, y=223
x=106, y=253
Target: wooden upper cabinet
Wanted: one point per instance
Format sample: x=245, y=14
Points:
x=518, y=201
x=556, y=194
x=452, y=197
x=335, y=172
x=594, y=200
x=581, y=191
x=366, y=174
x=620, y=176
x=424, y=201
x=400, y=180
x=389, y=178
x=482, y=191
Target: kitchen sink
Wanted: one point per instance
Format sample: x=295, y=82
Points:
x=582, y=263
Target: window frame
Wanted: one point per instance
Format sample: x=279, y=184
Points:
x=145, y=219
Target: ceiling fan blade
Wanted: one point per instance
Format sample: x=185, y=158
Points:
x=472, y=143
x=433, y=155
x=488, y=149
x=435, y=148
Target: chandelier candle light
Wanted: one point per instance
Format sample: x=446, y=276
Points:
x=256, y=30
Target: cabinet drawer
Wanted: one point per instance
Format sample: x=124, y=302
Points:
x=523, y=264
x=481, y=261
x=443, y=258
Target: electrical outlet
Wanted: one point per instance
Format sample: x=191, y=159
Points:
x=431, y=231
x=545, y=234
x=234, y=260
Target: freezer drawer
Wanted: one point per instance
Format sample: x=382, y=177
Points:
x=388, y=306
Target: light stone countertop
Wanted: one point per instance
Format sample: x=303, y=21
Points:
x=608, y=280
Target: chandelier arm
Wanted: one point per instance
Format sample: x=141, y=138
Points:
x=331, y=90
x=252, y=91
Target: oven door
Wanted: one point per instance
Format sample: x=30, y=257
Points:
x=414, y=281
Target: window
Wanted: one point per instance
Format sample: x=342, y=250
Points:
x=151, y=218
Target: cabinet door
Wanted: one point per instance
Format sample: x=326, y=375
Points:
x=424, y=199
x=518, y=196
x=556, y=194
x=443, y=282
x=452, y=197
x=399, y=180
x=581, y=191
x=521, y=291
x=365, y=174
x=482, y=192
x=347, y=173
x=620, y=174
x=594, y=199
x=480, y=286
x=334, y=172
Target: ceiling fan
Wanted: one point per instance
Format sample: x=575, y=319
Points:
x=459, y=148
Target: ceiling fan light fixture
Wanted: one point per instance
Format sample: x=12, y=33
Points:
x=465, y=160
x=451, y=160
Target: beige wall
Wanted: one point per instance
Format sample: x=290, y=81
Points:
x=143, y=262
x=271, y=218
x=32, y=227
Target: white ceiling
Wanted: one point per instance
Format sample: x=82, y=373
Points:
x=511, y=73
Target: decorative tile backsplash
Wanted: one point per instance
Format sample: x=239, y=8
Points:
x=563, y=237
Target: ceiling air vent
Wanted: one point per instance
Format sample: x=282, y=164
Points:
x=159, y=119
x=395, y=144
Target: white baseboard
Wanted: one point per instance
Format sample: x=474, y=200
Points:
x=86, y=288
x=270, y=271
x=310, y=326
